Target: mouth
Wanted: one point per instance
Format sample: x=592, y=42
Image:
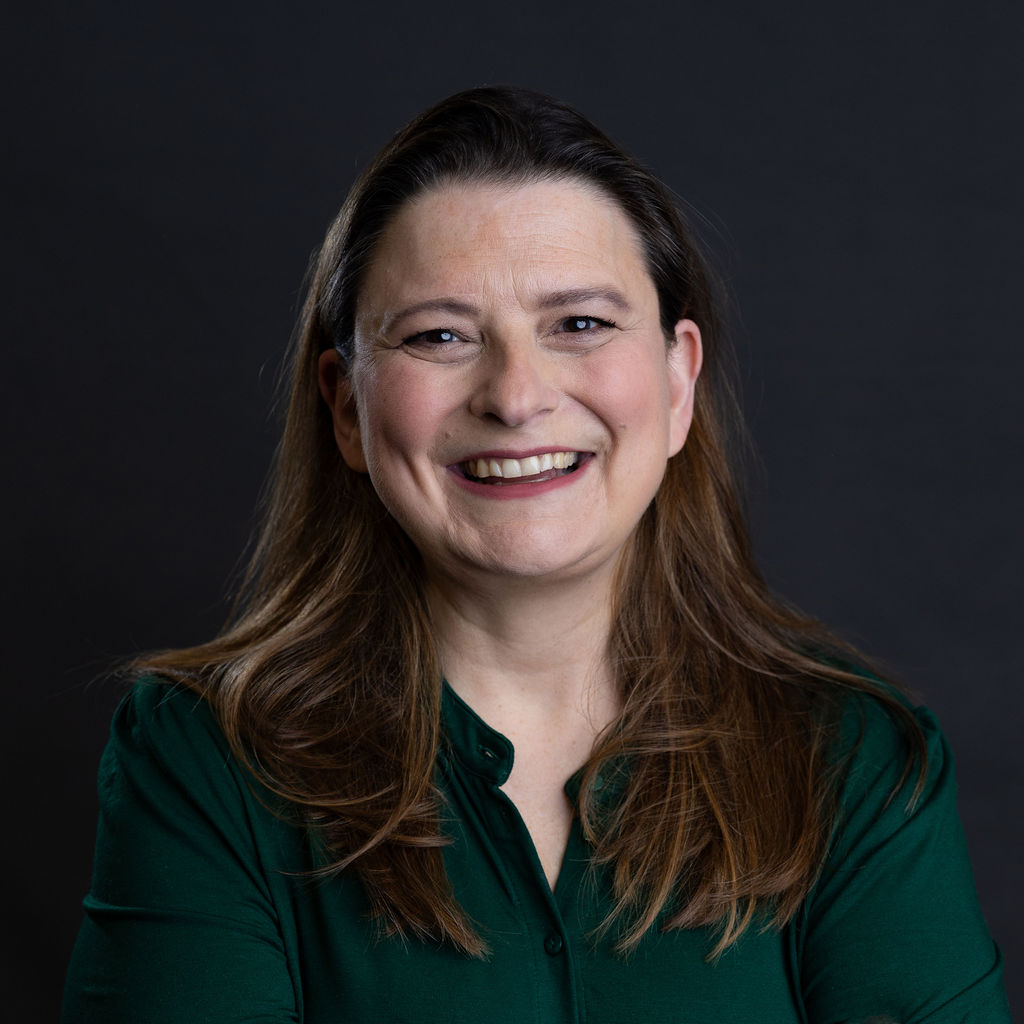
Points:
x=531, y=469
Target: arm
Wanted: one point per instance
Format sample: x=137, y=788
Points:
x=181, y=922
x=893, y=931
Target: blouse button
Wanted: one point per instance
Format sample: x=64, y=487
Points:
x=553, y=944
x=487, y=754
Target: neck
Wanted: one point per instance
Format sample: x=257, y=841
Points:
x=521, y=652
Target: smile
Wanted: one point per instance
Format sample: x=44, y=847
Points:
x=533, y=468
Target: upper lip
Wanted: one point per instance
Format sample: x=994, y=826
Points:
x=511, y=453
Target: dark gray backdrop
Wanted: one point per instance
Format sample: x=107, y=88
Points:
x=172, y=168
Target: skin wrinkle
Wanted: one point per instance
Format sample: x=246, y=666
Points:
x=381, y=324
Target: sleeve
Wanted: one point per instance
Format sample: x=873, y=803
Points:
x=180, y=922
x=892, y=932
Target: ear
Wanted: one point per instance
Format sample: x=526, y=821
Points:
x=684, y=362
x=336, y=388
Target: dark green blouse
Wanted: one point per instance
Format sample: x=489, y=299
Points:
x=200, y=909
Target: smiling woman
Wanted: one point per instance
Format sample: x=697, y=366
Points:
x=508, y=724
x=489, y=309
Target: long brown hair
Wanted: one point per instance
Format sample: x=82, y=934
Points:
x=327, y=682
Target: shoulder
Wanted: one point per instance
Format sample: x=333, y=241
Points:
x=167, y=750
x=191, y=875
x=169, y=782
x=167, y=725
x=888, y=752
x=895, y=794
x=893, y=922
x=158, y=705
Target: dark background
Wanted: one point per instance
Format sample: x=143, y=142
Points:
x=171, y=168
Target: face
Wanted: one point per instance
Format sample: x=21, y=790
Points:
x=512, y=395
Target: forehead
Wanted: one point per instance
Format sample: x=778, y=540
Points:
x=507, y=241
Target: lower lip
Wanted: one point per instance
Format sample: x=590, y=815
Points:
x=509, y=491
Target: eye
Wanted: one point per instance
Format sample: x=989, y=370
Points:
x=433, y=339
x=440, y=345
x=583, y=324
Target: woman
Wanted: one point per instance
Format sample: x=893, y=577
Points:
x=508, y=724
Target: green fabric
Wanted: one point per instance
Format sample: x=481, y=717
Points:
x=199, y=910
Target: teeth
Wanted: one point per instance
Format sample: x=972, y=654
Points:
x=532, y=465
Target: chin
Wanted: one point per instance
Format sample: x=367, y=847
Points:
x=539, y=566
x=549, y=552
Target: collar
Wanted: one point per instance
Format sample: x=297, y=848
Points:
x=472, y=742
x=489, y=755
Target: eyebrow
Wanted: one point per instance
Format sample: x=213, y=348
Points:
x=552, y=300
x=440, y=305
x=574, y=296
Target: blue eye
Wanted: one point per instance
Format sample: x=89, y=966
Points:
x=583, y=324
x=441, y=336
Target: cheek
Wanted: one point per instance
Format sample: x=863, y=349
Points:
x=629, y=392
x=399, y=414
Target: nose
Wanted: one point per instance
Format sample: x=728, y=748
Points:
x=515, y=383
